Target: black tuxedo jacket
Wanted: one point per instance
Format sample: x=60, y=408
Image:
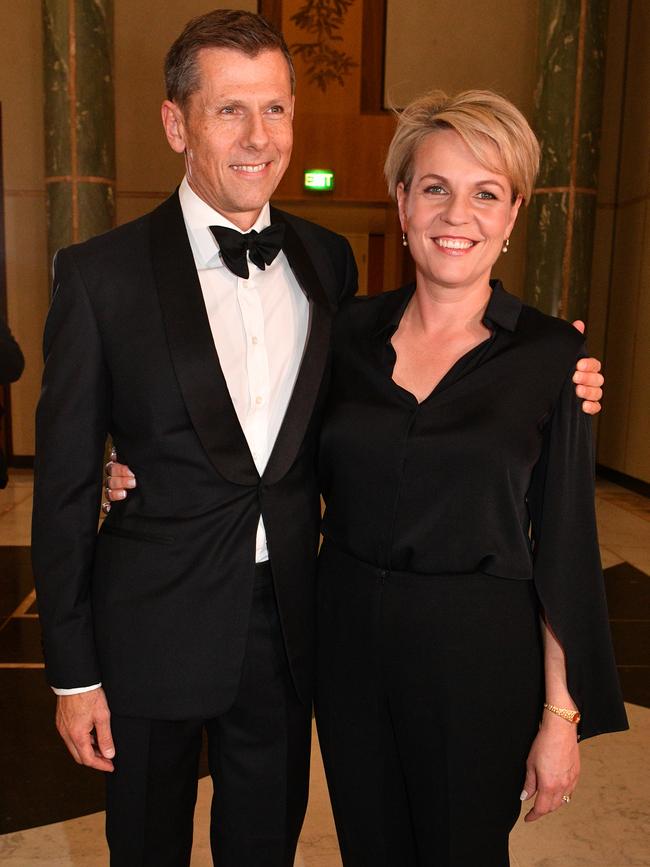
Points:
x=156, y=606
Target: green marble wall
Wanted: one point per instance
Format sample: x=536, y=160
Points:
x=568, y=108
x=79, y=119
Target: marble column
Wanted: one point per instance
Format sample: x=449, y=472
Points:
x=79, y=119
x=568, y=107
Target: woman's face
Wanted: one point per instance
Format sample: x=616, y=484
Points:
x=456, y=213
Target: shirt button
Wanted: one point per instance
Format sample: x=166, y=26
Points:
x=258, y=399
x=254, y=340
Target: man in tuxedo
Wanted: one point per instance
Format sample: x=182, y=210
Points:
x=203, y=351
x=194, y=606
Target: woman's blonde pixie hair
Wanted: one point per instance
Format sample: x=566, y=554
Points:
x=481, y=118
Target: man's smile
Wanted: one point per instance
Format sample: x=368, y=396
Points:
x=250, y=168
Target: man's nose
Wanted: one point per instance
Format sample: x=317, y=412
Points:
x=255, y=132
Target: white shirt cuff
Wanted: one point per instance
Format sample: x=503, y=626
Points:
x=76, y=691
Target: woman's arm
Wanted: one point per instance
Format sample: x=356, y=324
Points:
x=567, y=570
x=553, y=764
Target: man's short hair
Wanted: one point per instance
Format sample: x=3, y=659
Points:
x=221, y=28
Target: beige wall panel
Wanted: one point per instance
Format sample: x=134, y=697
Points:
x=131, y=207
x=637, y=455
x=635, y=151
x=351, y=145
x=607, y=176
x=21, y=93
x=311, y=99
x=143, y=33
x=459, y=44
x=510, y=266
x=612, y=102
x=359, y=244
x=621, y=336
x=28, y=276
x=600, y=274
x=340, y=217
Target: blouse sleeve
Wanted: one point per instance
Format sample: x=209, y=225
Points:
x=566, y=563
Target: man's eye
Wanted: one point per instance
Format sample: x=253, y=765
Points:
x=276, y=109
x=228, y=109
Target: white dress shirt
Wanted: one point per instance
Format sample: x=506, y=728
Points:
x=259, y=327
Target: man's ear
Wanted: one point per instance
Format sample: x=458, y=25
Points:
x=174, y=125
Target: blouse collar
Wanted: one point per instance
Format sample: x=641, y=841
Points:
x=502, y=311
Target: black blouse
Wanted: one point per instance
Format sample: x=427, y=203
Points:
x=491, y=473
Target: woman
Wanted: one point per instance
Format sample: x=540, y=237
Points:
x=433, y=450
x=463, y=636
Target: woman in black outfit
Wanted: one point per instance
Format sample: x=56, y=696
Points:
x=464, y=643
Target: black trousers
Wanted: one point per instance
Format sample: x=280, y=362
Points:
x=429, y=696
x=258, y=753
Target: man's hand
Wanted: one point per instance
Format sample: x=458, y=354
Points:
x=588, y=379
x=119, y=480
x=83, y=721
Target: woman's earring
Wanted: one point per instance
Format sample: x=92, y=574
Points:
x=405, y=242
x=506, y=244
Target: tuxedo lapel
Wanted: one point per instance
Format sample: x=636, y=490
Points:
x=310, y=375
x=192, y=349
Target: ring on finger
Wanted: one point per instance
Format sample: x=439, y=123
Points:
x=566, y=798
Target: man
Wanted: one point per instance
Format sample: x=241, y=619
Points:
x=194, y=606
x=211, y=386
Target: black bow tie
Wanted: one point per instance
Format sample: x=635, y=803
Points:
x=262, y=247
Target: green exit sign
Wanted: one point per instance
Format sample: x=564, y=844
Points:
x=319, y=179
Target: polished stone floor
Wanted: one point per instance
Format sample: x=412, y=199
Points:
x=50, y=809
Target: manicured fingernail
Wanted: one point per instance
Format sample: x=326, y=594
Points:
x=129, y=473
x=523, y=795
x=120, y=494
x=108, y=754
x=130, y=483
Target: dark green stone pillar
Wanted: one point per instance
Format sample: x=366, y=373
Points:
x=79, y=119
x=568, y=107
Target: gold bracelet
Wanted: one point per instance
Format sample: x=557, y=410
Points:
x=567, y=713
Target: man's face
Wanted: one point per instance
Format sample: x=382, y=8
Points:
x=236, y=130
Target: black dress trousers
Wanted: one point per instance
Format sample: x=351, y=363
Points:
x=430, y=692
x=259, y=762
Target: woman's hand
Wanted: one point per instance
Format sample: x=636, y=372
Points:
x=119, y=480
x=588, y=379
x=552, y=767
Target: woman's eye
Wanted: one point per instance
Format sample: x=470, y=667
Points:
x=485, y=194
x=436, y=189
